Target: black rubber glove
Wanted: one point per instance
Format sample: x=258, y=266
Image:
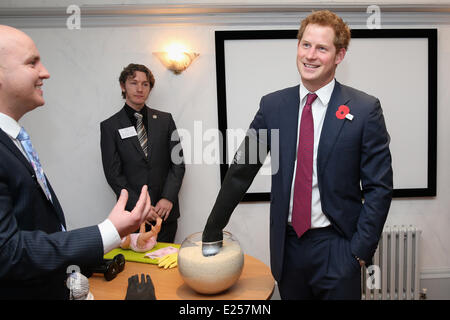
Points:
x=143, y=290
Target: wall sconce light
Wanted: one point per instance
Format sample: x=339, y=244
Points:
x=176, y=58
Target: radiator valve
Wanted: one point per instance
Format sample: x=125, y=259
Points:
x=423, y=294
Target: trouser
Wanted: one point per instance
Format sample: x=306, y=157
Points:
x=168, y=231
x=319, y=265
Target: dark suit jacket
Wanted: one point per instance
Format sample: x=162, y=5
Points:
x=126, y=166
x=34, y=252
x=354, y=162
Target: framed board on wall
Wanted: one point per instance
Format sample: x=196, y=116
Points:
x=398, y=66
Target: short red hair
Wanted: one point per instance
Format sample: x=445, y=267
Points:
x=327, y=18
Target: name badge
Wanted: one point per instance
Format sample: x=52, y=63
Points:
x=127, y=132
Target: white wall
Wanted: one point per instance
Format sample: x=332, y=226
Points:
x=83, y=90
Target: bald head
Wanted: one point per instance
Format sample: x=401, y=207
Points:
x=8, y=29
x=9, y=39
x=21, y=73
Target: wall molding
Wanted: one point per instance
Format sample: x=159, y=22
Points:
x=219, y=15
x=435, y=273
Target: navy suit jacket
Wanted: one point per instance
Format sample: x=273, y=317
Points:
x=34, y=252
x=353, y=165
x=126, y=166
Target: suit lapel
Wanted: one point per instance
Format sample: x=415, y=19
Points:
x=6, y=140
x=125, y=122
x=288, y=134
x=331, y=127
x=58, y=209
x=154, y=129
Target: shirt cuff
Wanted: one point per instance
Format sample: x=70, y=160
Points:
x=110, y=236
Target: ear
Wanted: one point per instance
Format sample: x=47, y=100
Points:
x=340, y=56
x=122, y=86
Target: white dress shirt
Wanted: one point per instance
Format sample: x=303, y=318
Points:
x=108, y=232
x=319, y=108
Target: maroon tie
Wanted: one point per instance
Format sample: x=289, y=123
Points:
x=301, y=210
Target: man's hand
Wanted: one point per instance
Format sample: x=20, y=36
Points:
x=127, y=222
x=360, y=261
x=163, y=208
x=153, y=216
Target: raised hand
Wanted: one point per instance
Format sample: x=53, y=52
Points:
x=127, y=222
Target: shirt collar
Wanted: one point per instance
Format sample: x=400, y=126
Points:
x=131, y=110
x=324, y=93
x=9, y=125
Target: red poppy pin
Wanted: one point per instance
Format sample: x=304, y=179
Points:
x=344, y=112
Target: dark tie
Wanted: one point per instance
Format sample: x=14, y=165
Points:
x=301, y=209
x=141, y=133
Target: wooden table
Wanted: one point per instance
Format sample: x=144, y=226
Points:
x=256, y=283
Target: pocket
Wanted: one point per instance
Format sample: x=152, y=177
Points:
x=354, y=264
x=330, y=259
x=341, y=262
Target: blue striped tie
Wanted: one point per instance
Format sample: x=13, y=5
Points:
x=33, y=158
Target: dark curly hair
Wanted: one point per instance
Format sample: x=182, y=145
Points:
x=130, y=71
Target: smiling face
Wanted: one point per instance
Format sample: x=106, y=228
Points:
x=317, y=57
x=136, y=89
x=22, y=73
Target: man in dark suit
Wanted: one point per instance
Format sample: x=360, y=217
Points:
x=332, y=191
x=139, y=146
x=35, y=249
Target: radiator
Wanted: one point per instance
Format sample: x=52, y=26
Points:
x=395, y=273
